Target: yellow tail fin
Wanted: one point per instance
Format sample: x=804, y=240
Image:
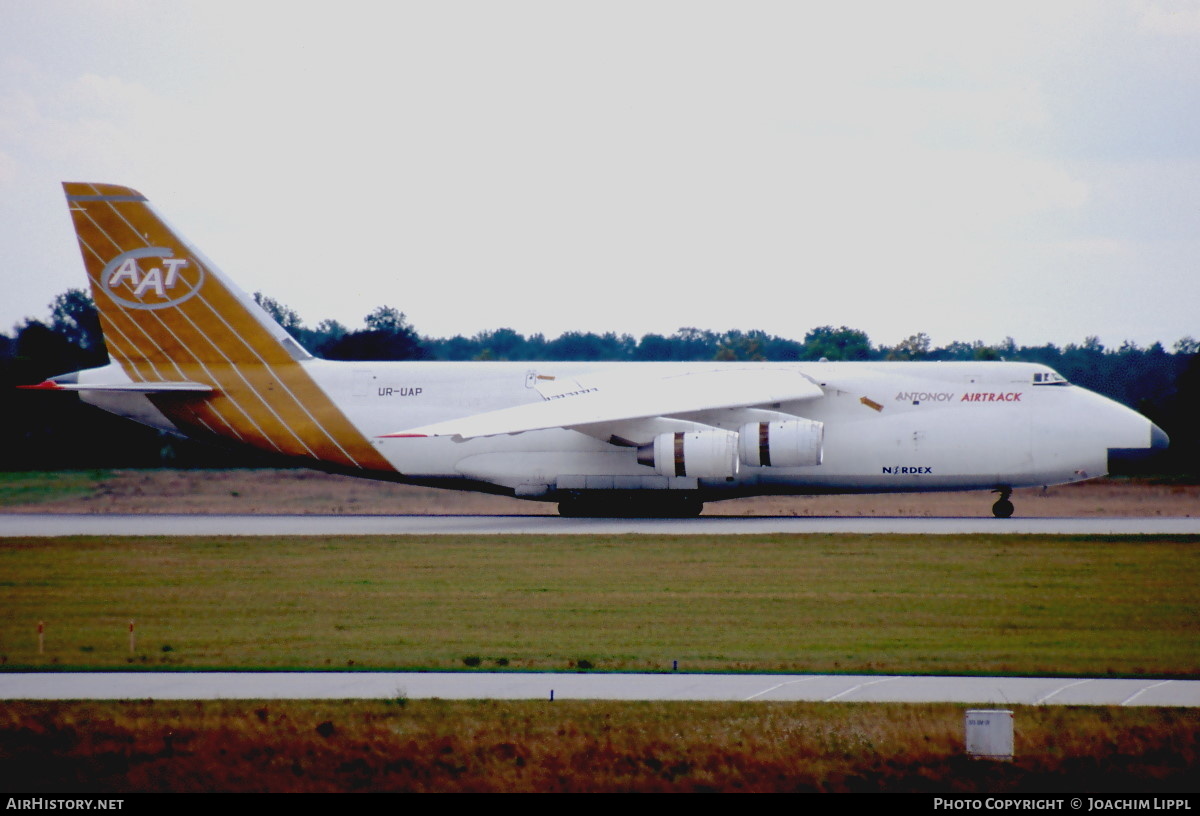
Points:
x=161, y=301
x=169, y=315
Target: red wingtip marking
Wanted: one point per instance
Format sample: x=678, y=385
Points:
x=44, y=385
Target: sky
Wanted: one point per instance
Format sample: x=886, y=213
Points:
x=973, y=171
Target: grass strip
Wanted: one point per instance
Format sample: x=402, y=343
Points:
x=1089, y=606
x=35, y=487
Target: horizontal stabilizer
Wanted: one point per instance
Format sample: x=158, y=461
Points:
x=615, y=398
x=133, y=388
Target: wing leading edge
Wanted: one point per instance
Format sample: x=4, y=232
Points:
x=575, y=402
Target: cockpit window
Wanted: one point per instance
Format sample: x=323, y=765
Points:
x=1049, y=378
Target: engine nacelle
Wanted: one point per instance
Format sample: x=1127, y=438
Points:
x=702, y=454
x=791, y=443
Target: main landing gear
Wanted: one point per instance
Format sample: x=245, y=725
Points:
x=643, y=504
x=1003, y=508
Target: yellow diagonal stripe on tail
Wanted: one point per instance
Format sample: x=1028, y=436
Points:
x=168, y=315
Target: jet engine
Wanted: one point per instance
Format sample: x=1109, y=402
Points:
x=705, y=454
x=791, y=443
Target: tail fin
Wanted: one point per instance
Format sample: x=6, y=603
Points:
x=170, y=316
x=160, y=300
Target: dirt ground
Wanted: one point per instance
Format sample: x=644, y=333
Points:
x=303, y=492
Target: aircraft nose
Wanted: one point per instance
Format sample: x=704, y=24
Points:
x=1136, y=461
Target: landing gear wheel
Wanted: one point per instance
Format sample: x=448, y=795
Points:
x=655, y=505
x=1003, y=508
x=572, y=509
x=683, y=508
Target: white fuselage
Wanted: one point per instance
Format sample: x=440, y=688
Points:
x=891, y=426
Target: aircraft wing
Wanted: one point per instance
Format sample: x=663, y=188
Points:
x=572, y=402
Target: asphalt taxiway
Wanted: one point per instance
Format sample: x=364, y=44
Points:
x=45, y=525
x=596, y=686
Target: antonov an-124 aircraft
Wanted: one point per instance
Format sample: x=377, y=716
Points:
x=190, y=353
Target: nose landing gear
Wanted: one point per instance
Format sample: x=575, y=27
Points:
x=1003, y=508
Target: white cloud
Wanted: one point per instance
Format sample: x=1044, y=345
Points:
x=1179, y=18
x=1097, y=247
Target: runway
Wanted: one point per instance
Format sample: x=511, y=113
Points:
x=48, y=525
x=528, y=686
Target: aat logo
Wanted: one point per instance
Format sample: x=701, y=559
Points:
x=150, y=278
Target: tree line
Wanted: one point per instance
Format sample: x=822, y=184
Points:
x=50, y=431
